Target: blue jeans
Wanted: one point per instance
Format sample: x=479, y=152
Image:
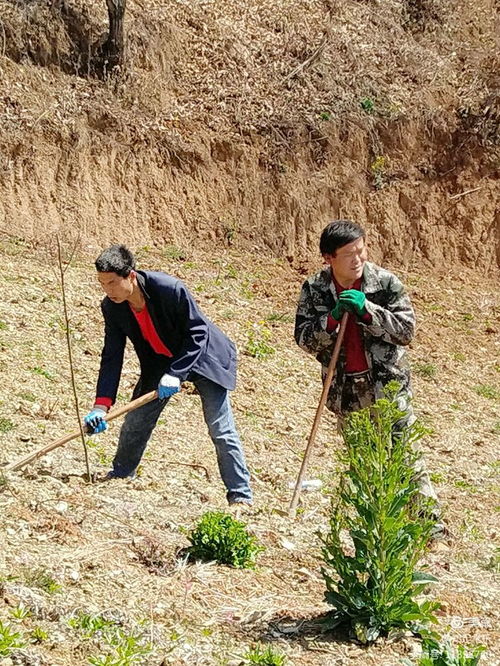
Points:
x=139, y=425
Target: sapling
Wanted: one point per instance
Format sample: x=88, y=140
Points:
x=379, y=529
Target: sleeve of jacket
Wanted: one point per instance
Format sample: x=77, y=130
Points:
x=196, y=333
x=394, y=322
x=111, y=358
x=311, y=321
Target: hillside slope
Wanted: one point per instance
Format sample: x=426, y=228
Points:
x=254, y=123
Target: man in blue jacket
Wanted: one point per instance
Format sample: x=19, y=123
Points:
x=174, y=342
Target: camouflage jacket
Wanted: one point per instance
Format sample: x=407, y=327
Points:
x=392, y=326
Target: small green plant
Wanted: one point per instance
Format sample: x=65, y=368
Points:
x=38, y=635
x=379, y=170
x=27, y=395
x=279, y=317
x=43, y=580
x=175, y=253
x=487, y=391
x=493, y=563
x=325, y=115
x=459, y=356
x=218, y=536
x=372, y=581
x=265, y=656
x=20, y=612
x=92, y=624
x=367, y=104
x=9, y=640
x=427, y=370
x=443, y=654
x=258, y=336
x=126, y=650
x=37, y=370
x=496, y=428
x=6, y=425
x=3, y=325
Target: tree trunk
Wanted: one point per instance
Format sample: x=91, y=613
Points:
x=113, y=48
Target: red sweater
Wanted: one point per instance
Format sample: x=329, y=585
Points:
x=355, y=357
x=150, y=334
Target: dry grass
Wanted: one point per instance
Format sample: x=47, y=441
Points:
x=113, y=547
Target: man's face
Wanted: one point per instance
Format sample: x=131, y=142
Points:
x=118, y=289
x=348, y=261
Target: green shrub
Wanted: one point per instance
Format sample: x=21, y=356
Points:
x=373, y=584
x=487, y=391
x=443, y=654
x=9, y=640
x=264, y=656
x=218, y=536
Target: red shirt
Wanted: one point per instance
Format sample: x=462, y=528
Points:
x=355, y=357
x=150, y=334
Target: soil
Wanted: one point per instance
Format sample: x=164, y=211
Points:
x=112, y=548
x=232, y=134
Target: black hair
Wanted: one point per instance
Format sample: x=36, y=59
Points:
x=339, y=233
x=115, y=259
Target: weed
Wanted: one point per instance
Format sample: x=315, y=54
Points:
x=92, y=624
x=218, y=536
x=37, y=370
x=38, y=635
x=367, y=104
x=427, y=370
x=9, y=640
x=496, y=428
x=43, y=580
x=126, y=650
x=443, y=654
x=373, y=588
x=465, y=485
x=258, y=336
x=6, y=425
x=437, y=477
x=264, y=656
x=487, y=391
x=102, y=453
x=20, y=612
x=493, y=563
x=175, y=253
x=279, y=317
x=467, y=316
x=27, y=395
x=379, y=168
x=325, y=115
x=3, y=325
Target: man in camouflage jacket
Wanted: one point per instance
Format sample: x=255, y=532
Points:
x=380, y=324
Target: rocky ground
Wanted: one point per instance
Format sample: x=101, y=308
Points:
x=77, y=556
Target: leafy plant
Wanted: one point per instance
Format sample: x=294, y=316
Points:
x=367, y=104
x=6, y=425
x=218, y=536
x=258, y=337
x=487, y=391
x=126, y=650
x=20, y=612
x=379, y=168
x=427, y=370
x=375, y=541
x=38, y=635
x=265, y=656
x=443, y=654
x=9, y=640
x=175, y=253
x=37, y=370
x=92, y=624
x=43, y=580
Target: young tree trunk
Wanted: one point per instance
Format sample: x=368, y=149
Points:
x=113, y=48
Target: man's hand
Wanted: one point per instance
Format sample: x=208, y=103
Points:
x=95, y=422
x=168, y=386
x=338, y=310
x=353, y=301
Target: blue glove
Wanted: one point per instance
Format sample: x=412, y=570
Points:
x=168, y=386
x=95, y=422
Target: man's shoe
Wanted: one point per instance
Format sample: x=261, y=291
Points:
x=239, y=507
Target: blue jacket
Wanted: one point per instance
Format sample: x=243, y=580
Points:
x=197, y=345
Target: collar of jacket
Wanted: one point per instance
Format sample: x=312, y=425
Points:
x=141, y=281
x=369, y=285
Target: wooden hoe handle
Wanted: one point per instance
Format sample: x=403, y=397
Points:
x=326, y=387
x=113, y=414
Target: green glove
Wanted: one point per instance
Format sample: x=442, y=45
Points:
x=338, y=310
x=353, y=301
